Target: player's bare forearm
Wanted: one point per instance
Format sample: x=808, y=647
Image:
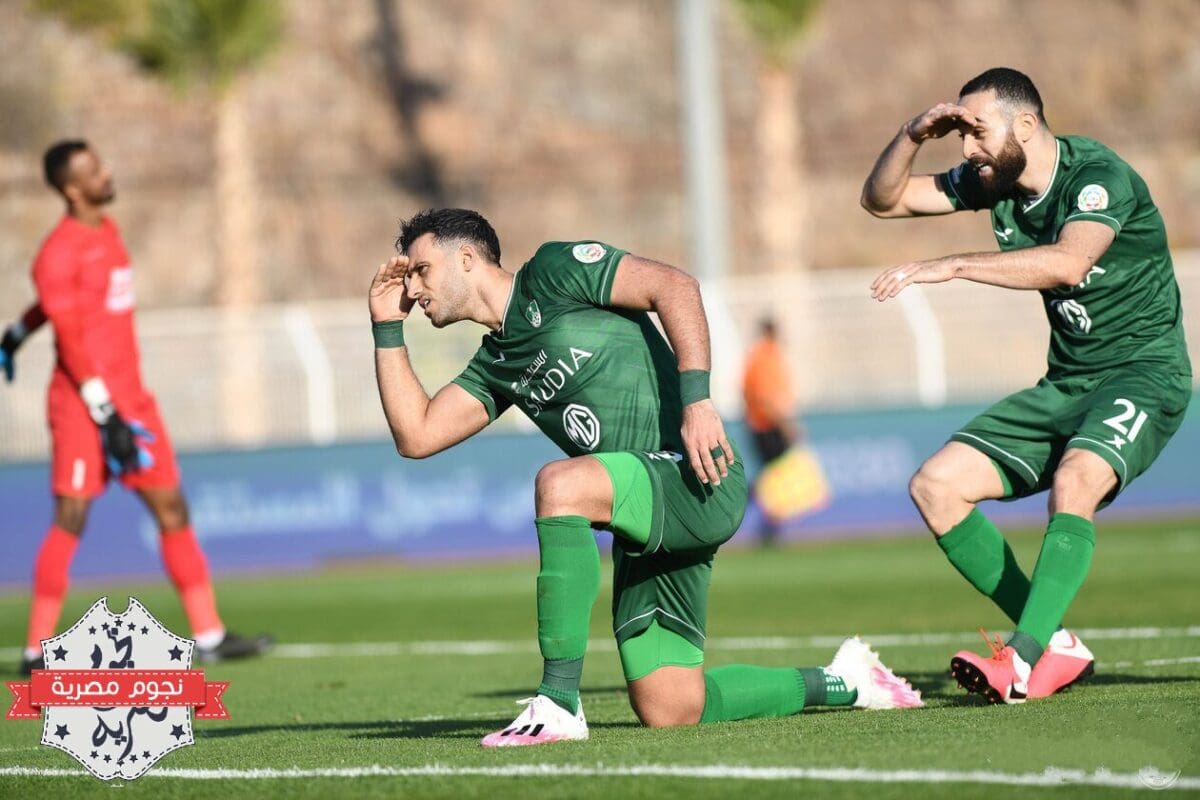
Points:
x=885, y=186
x=1044, y=267
x=681, y=310
x=646, y=285
x=403, y=398
x=891, y=189
x=1067, y=262
x=422, y=426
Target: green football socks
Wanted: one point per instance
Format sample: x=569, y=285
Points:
x=978, y=551
x=1061, y=568
x=568, y=582
x=740, y=691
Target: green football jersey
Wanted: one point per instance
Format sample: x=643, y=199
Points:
x=592, y=378
x=1127, y=309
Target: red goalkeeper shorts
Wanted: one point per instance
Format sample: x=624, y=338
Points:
x=77, y=465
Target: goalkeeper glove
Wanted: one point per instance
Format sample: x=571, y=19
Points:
x=121, y=439
x=14, y=335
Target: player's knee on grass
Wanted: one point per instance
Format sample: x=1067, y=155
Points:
x=573, y=486
x=665, y=676
x=669, y=697
x=1081, y=482
x=70, y=513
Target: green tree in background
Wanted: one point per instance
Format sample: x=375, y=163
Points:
x=210, y=46
x=777, y=28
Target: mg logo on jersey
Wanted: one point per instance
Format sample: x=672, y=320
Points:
x=120, y=290
x=581, y=426
x=533, y=314
x=1074, y=314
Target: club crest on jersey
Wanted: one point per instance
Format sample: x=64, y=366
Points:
x=581, y=426
x=533, y=314
x=588, y=253
x=1092, y=197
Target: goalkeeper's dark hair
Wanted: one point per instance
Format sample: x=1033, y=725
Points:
x=1013, y=88
x=56, y=163
x=449, y=225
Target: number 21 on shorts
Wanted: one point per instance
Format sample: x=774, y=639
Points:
x=1118, y=422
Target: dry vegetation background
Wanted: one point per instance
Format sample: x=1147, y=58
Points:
x=560, y=120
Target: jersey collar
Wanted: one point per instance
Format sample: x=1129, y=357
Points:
x=512, y=290
x=1032, y=204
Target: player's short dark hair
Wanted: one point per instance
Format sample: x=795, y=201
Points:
x=451, y=224
x=1011, y=86
x=56, y=163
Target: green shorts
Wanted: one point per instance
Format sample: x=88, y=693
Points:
x=667, y=527
x=1125, y=416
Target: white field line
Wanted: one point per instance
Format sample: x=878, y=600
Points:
x=490, y=647
x=1051, y=776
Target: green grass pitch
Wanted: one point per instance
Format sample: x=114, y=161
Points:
x=456, y=647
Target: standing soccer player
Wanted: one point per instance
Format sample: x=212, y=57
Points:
x=103, y=421
x=1076, y=223
x=570, y=343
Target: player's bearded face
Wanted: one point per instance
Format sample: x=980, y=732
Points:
x=1003, y=169
x=450, y=297
x=93, y=178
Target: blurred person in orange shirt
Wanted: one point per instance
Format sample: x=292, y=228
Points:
x=770, y=405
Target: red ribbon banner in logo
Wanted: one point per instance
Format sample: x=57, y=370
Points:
x=112, y=688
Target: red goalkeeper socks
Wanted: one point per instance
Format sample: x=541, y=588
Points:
x=188, y=570
x=50, y=571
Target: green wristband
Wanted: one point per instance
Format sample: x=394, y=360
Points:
x=693, y=386
x=388, y=334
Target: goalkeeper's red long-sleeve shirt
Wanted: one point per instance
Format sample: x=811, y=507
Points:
x=85, y=288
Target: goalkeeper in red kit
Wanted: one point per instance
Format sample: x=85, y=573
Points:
x=103, y=422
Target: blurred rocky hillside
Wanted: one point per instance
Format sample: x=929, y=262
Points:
x=560, y=120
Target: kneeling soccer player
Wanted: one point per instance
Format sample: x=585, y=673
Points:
x=571, y=344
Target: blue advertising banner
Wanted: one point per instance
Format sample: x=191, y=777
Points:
x=301, y=507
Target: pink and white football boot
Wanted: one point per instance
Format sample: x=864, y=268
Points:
x=878, y=687
x=1065, y=662
x=543, y=721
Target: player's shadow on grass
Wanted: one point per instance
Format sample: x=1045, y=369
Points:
x=442, y=728
x=939, y=685
x=506, y=694
x=375, y=729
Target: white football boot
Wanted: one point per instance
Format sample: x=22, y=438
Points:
x=878, y=687
x=543, y=721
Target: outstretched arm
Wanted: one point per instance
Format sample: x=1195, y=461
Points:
x=646, y=285
x=420, y=425
x=16, y=334
x=891, y=190
x=1064, y=263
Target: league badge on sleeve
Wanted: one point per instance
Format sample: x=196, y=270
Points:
x=1093, y=197
x=588, y=253
x=116, y=692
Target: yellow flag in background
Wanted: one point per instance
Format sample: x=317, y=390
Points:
x=792, y=485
